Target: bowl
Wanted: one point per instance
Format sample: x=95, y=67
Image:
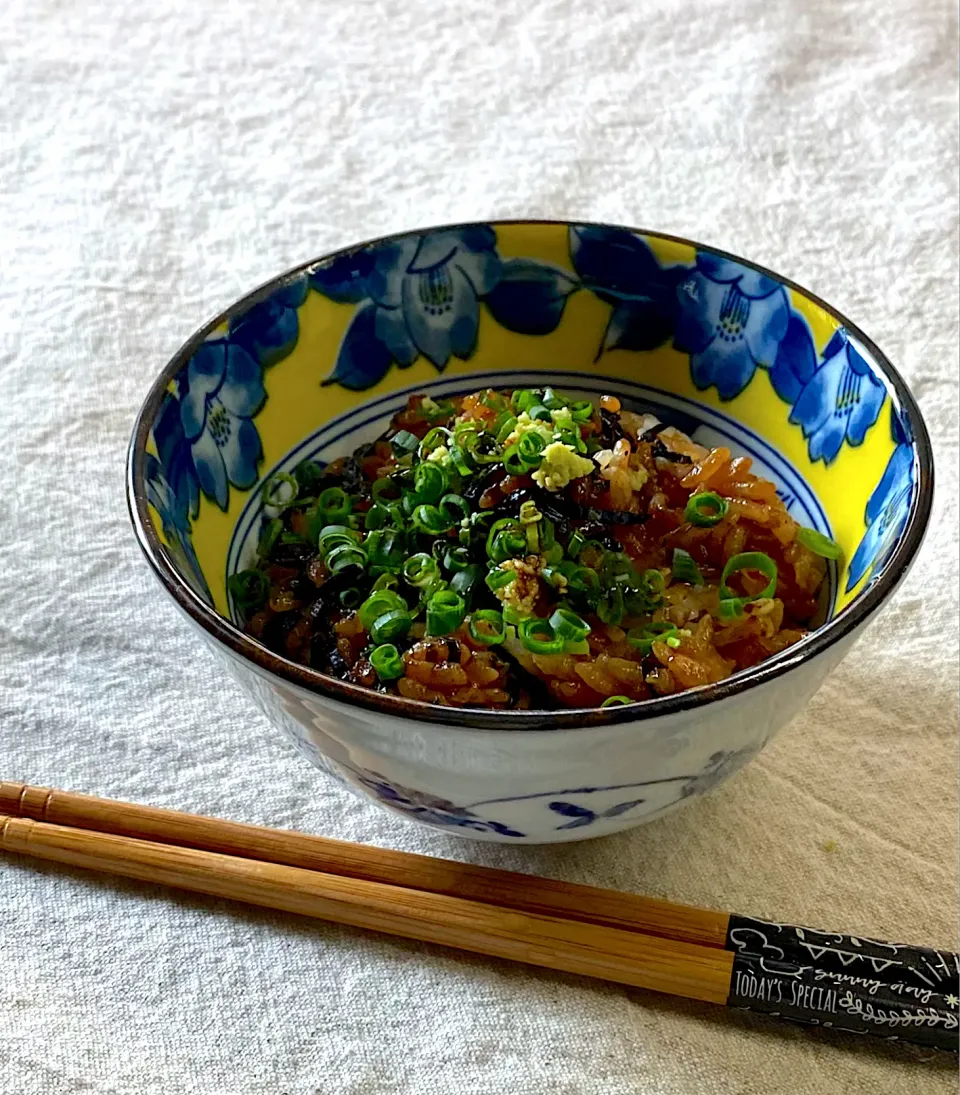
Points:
x=316, y=361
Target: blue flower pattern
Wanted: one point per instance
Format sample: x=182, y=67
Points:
x=436, y=811
x=730, y=320
x=221, y=391
x=175, y=523
x=887, y=508
x=204, y=432
x=840, y=402
x=581, y=816
x=429, y=808
x=421, y=295
x=720, y=765
x=416, y=295
x=269, y=330
x=621, y=269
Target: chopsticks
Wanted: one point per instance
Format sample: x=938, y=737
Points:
x=850, y=983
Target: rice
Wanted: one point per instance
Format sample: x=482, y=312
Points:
x=517, y=583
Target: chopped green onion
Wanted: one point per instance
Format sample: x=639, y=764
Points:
x=684, y=569
x=280, y=491
x=350, y=597
x=554, y=576
x=249, y=589
x=581, y=410
x=481, y=448
x=538, y=636
x=568, y=625
x=377, y=516
x=315, y=523
x=610, y=606
x=506, y=428
x=576, y=542
x=458, y=457
x=386, y=662
x=455, y=508
x=269, y=535
x=335, y=504
x=381, y=487
x=429, y=482
x=819, y=544
x=487, y=627
x=497, y=579
x=494, y=400
x=473, y=524
x=530, y=450
x=465, y=581
x=749, y=560
x=653, y=583
x=386, y=548
x=593, y=553
x=584, y=581
x=385, y=581
x=705, y=509
x=506, y=538
x=524, y=399
x=617, y=701
x=404, y=442
x=513, y=461
x=539, y=413
x=673, y=641
x=643, y=638
x=445, y=612
x=391, y=625
x=420, y=570
x=454, y=558
x=554, y=553
x=379, y=602
x=429, y=520
x=309, y=475
x=434, y=438
x=332, y=535
x=343, y=556
x=433, y=411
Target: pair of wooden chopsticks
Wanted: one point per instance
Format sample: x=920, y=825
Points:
x=849, y=983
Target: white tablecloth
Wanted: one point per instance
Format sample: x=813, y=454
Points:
x=158, y=160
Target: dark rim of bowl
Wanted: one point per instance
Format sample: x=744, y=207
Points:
x=841, y=626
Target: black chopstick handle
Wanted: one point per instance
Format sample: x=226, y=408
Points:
x=844, y=1001
x=871, y=959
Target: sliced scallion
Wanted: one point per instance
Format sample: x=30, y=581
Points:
x=487, y=627
x=538, y=636
x=684, y=569
x=749, y=560
x=445, y=612
x=280, y=491
x=819, y=544
x=335, y=504
x=420, y=570
x=705, y=509
x=391, y=625
x=568, y=625
x=386, y=662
